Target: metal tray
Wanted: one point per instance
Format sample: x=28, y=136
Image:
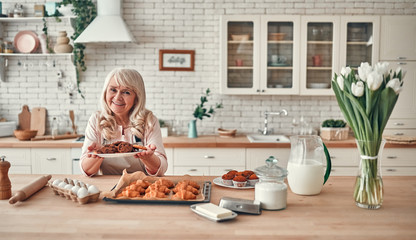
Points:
x=206, y=191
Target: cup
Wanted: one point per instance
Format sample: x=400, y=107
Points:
x=239, y=62
x=276, y=59
x=316, y=60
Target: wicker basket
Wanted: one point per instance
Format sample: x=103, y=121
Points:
x=334, y=133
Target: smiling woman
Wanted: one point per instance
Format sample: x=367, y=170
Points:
x=123, y=117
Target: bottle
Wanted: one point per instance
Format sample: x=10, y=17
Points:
x=8, y=47
x=5, y=184
x=55, y=131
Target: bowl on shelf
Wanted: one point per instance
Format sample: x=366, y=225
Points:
x=319, y=85
x=277, y=36
x=243, y=37
x=24, y=135
x=227, y=133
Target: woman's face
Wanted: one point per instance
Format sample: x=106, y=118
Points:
x=120, y=99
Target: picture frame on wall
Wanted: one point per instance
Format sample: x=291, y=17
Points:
x=176, y=60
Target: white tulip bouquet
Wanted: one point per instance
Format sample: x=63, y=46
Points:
x=367, y=100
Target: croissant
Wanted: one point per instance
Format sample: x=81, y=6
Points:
x=185, y=195
x=185, y=186
x=158, y=188
x=143, y=183
x=166, y=182
x=129, y=193
x=154, y=194
x=190, y=182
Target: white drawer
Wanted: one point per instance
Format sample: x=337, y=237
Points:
x=193, y=171
x=344, y=156
x=400, y=157
x=400, y=132
x=209, y=156
x=401, y=123
x=16, y=169
x=398, y=171
x=16, y=156
x=344, y=171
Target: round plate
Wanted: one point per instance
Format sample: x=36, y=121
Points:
x=218, y=181
x=26, y=42
x=114, y=155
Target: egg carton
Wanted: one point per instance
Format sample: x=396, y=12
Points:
x=68, y=194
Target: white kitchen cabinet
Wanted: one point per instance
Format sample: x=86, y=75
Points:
x=345, y=161
x=290, y=54
x=267, y=62
x=19, y=159
x=398, y=37
x=51, y=160
x=256, y=157
x=207, y=161
x=398, y=162
x=169, y=156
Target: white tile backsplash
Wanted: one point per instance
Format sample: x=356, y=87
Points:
x=170, y=24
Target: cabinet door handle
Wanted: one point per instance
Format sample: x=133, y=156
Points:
x=51, y=159
x=399, y=134
x=193, y=170
x=227, y=170
x=401, y=63
x=333, y=157
x=398, y=124
x=391, y=170
x=258, y=90
x=401, y=58
x=207, y=156
x=391, y=157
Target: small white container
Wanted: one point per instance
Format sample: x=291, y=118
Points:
x=271, y=191
x=7, y=128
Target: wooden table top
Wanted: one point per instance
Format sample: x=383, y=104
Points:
x=329, y=215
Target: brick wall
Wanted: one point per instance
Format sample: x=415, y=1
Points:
x=172, y=96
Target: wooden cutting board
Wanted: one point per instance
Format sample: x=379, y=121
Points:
x=38, y=120
x=24, y=118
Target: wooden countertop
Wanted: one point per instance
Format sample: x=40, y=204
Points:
x=204, y=141
x=330, y=215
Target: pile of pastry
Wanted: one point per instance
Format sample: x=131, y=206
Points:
x=161, y=188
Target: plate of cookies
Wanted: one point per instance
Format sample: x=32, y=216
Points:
x=118, y=149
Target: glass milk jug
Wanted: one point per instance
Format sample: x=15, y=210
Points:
x=271, y=191
x=309, y=165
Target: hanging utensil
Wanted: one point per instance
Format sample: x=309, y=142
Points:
x=72, y=117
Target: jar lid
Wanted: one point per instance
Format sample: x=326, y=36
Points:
x=271, y=170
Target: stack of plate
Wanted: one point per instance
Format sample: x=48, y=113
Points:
x=26, y=42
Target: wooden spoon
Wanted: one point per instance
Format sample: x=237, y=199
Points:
x=72, y=117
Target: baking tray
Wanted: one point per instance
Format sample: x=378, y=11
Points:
x=206, y=191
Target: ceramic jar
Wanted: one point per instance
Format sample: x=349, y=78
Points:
x=62, y=43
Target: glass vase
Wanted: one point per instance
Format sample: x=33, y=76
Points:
x=368, y=189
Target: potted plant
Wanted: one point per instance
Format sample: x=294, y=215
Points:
x=201, y=112
x=334, y=130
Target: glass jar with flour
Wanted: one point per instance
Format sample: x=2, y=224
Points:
x=271, y=190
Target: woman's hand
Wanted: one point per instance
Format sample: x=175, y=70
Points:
x=92, y=163
x=150, y=160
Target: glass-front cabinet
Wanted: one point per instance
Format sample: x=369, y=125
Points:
x=280, y=54
x=240, y=41
x=319, y=54
x=291, y=54
x=359, y=40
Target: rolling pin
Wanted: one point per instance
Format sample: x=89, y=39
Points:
x=30, y=189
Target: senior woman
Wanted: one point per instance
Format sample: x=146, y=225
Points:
x=123, y=117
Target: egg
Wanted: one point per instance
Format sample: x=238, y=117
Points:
x=62, y=184
x=68, y=186
x=82, y=192
x=56, y=182
x=93, y=189
x=75, y=189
